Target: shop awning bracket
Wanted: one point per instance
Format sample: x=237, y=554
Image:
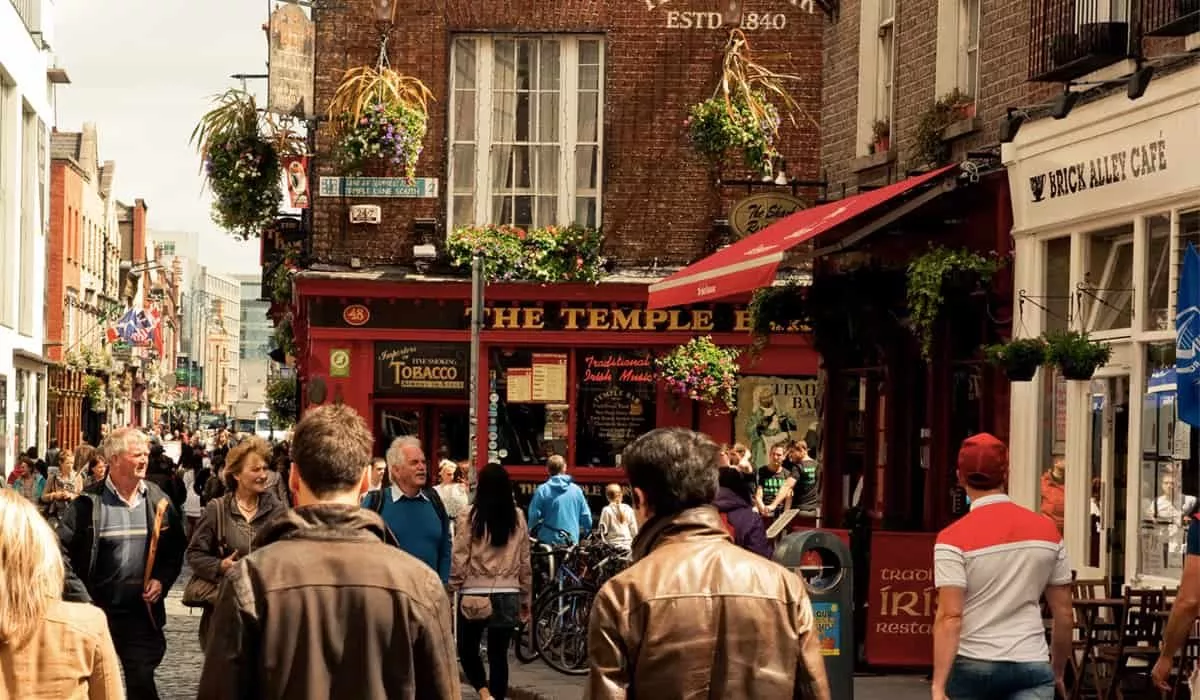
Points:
x=1083, y=289
x=1023, y=297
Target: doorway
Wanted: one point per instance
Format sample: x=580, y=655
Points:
x=442, y=429
x=1108, y=478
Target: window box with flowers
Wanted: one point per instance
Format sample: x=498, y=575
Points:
x=380, y=118
x=514, y=254
x=950, y=116
x=702, y=371
x=881, y=132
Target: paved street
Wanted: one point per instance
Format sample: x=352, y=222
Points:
x=180, y=672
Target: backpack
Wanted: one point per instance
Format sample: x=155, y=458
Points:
x=374, y=501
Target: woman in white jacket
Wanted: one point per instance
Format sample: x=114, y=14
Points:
x=618, y=526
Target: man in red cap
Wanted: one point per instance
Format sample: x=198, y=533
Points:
x=991, y=569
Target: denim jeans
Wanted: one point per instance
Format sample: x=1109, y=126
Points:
x=972, y=679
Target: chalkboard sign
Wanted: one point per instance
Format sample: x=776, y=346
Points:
x=422, y=369
x=617, y=390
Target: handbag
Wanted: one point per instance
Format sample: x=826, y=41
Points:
x=476, y=607
x=199, y=591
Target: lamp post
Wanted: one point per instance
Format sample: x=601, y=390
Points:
x=477, y=285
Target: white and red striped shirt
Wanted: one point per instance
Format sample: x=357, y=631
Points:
x=1004, y=556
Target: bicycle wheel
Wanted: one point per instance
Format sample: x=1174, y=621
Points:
x=560, y=628
x=523, y=645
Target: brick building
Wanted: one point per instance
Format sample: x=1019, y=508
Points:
x=609, y=86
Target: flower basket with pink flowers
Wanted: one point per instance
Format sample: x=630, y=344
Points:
x=702, y=371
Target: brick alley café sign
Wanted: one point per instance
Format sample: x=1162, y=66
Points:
x=454, y=314
x=683, y=15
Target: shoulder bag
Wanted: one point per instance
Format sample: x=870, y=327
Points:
x=199, y=591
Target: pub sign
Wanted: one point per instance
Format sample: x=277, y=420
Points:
x=425, y=370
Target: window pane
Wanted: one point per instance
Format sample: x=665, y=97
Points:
x=547, y=211
x=1052, y=486
x=972, y=11
x=547, y=167
x=588, y=102
x=1107, y=299
x=504, y=69
x=463, y=167
x=527, y=432
x=589, y=52
x=525, y=65
x=523, y=210
x=1057, y=288
x=585, y=167
x=464, y=64
x=616, y=392
x=1168, y=476
x=585, y=212
x=548, y=117
x=504, y=117
x=1158, y=272
x=548, y=66
x=522, y=168
x=589, y=77
x=1189, y=232
x=502, y=210
x=464, y=115
x=464, y=210
x=523, y=129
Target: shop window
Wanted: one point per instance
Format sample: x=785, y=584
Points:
x=1169, y=482
x=1158, y=273
x=1189, y=232
x=527, y=410
x=1056, y=304
x=1106, y=293
x=616, y=392
x=1108, y=475
x=1052, y=488
x=526, y=130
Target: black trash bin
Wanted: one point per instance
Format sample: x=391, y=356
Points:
x=823, y=561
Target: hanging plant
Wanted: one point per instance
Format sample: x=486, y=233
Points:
x=1076, y=354
x=1019, y=358
x=281, y=400
x=546, y=254
x=380, y=118
x=284, y=336
x=93, y=389
x=772, y=308
x=240, y=152
x=741, y=115
x=928, y=278
x=280, y=282
x=702, y=371
x=931, y=127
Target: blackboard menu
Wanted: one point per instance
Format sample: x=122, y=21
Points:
x=616, y=404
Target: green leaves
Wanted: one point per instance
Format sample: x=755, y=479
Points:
x=927, y=278
x=281, y=399
x=716, y=127
x=1076, y=354
x=702, y=371
x=547, y=254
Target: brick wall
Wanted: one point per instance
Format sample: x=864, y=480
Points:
x=66, y=197
x=659, y=198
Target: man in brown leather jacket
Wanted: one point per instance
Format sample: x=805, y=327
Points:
x=696, y=615
x=327, y=603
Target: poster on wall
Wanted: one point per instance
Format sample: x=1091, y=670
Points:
x=774, y=411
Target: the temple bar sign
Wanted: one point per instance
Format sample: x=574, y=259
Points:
x=677, y=16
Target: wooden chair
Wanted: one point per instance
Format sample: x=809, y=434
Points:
x=1135, y=648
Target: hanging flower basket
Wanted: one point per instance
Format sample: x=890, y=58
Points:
x=547, y=254
x=718, y=127
x=380, y=118
x=1076, y=354
x=1019, y=358
x=702, y=371
x=929, y=277
x=774, y=308
x=281, y=399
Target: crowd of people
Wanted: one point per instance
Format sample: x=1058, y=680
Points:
x=319, y=567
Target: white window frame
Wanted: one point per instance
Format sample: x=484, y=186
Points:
x=569, y=91
x=876, y=76
x=886, y=58
x=954, y=47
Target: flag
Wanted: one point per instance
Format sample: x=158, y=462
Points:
x=123, y=329
x=1187, y=329
x=155, y=317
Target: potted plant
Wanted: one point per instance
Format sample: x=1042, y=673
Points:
x=776, y=307
x=952, y=107
x=1019, y=357
x=1076, y=354
x=380, y=118
x=931, y=274
x=93, y=389
x=702, y=371
x=240, y=151
x=281, y=399
x=741, y=115
x=881, y=133
x=546, y=254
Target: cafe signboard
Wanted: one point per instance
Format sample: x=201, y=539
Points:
x=756, y=212
x=425, y=370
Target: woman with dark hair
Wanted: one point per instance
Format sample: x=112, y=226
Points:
x=492, y=574
x=733, y=502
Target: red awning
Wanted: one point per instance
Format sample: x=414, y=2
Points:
x=750, y=263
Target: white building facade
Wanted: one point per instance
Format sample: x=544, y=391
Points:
x=1105, y=203
x=26, y=113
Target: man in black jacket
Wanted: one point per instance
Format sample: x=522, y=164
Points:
x=123, y=545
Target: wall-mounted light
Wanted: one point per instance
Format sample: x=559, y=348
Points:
x=1064, y=103
x=385, y=13
x=1139, y=81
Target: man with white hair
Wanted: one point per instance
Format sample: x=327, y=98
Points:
x=123, y=544
x=412, y=510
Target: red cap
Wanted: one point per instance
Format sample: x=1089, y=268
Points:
x=983, y=462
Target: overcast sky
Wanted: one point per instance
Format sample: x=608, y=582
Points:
x=144, y=71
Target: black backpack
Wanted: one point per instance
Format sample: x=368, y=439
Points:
x=375, y=500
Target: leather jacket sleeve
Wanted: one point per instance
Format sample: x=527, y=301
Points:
x=608, y=675
x=461, y=555
x=171, y=546
x=230, y=658
x=70, y=528
x=434, y=655
x=204, y=551
x=811, y=682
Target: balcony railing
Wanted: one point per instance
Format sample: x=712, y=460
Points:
x=1171, y=17
x=1071, y=38
x=29, y=11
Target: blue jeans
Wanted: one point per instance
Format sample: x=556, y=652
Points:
x=972, y=679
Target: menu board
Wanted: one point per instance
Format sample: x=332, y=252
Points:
x=519, y=385
x=617, y=390
x=549, y=377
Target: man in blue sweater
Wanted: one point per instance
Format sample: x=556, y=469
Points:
x=413, y=511
x=559, y=506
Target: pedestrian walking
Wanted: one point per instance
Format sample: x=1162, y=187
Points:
x=992, y=568
x=618, y=523
x=328, y=603
x=49, y=649
x=559, y=506
x=695, y=615
x=230, y=524
x=64, y=486
x=452, y=488
x=413, y=511
x=494, y=578
x=123, y=544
